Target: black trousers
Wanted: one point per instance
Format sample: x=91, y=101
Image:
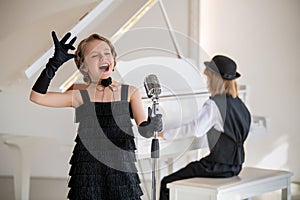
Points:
x=201, y=168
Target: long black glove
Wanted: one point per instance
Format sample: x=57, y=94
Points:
x=147, y=128
x=60, y=56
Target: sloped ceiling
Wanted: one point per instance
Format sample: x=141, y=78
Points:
x=26, y=31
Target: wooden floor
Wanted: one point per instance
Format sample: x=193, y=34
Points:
x=42, y=188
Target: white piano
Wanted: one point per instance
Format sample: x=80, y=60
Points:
x=37, y=149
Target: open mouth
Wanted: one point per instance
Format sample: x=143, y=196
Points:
x=104, y=67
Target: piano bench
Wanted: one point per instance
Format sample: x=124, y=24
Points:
x=249, y=183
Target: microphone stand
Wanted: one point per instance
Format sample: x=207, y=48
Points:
x=154, y=149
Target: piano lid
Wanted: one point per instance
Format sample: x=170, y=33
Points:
x=134, y=44
x=125, y=13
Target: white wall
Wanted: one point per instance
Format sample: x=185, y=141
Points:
x=263, y=37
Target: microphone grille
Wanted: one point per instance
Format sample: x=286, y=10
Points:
x=152, y=85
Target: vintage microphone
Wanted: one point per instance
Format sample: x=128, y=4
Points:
x=153, y=89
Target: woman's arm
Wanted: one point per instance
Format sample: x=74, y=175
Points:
x=39, y=92
x=55, y=99
x=146, y=125
x=136, y=105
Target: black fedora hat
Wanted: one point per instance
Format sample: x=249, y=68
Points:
x=223, y=66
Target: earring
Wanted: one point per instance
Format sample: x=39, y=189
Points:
x=86, y=77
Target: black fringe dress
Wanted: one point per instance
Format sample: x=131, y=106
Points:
x=103, y=160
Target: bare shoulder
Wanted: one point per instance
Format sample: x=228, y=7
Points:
x=133, y=92
x=132, y=88
x=76, y=95
x=76, y=98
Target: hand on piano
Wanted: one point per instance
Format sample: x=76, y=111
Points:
x=160, y=134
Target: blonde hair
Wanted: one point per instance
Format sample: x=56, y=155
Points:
x=217, y=85
x=79, y=58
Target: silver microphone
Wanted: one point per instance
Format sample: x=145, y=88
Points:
x=152, y=86
x=153, y=89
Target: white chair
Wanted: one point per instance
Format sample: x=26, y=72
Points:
x=249, y=183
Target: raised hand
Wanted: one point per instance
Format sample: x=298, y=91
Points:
x=61, y=54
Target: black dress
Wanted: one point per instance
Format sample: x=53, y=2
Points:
x=103, y=160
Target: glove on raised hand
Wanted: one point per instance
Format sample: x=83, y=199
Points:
x=60, y=56
x=154, y=123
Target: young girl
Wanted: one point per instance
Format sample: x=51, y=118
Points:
x=225, y=119
x=103, y=160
